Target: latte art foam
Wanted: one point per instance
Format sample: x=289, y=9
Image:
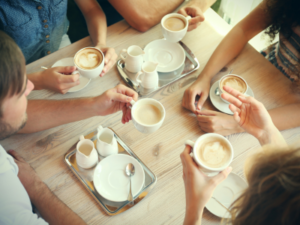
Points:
x=88, y=58
x=213, y=152
x=235, y=83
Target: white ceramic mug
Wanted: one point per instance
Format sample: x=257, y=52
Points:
x=83, y=160
x=195, y=145
x=148, y=77
x=133, y=58
x=106, y=142
x=144, y=128
x=174, y=36
x=221, y=90
x=91, y=73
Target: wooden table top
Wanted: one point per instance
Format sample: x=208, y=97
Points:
x=160, y=151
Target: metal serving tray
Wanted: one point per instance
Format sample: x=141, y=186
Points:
x=85, y=176
x=190, y=65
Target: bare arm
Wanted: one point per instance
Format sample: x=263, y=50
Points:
x=51, y=208
x=45, y=114
x=95, y=20
x=230, y=47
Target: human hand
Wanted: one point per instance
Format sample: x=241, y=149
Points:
x=198, y=88
x=28, y=177
x=59, y=79
x=198, y=186
x=250, y=114
x=116, y=99
x=196, y=14
x=110, y=58
x=215, y=122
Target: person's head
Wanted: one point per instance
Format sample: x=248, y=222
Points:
x=14, y=87
x=273, y=195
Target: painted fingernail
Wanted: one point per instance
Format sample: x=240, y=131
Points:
x=128, y=99
x=241, y=97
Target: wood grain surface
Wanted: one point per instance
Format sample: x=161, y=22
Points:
x=160, y=150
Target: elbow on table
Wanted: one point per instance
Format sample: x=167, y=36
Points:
x=142, y=23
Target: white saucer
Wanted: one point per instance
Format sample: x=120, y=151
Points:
x=219, y=103
x=169, y=56
x=110, y=179
x=70, y=62
x=226, y=193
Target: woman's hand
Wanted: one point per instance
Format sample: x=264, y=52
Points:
x=199, y=88
x=198, y=186
x=252, y=116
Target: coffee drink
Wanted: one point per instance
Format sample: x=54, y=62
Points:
x=174, y=24
x=147, y=114
x=234, y=82
x=88, y=58
x=213, y=152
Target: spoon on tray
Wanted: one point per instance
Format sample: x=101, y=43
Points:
x=129, y=170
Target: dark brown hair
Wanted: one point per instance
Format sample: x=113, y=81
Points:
x=273, y=195
x=12, y=68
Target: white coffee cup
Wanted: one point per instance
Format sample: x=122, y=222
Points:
x=133, y=58
x=86, y=154
x=174, y=36
x=90, y=73
x=143, y=127
x=148, y=77
x=206, y=169
x=231, y=75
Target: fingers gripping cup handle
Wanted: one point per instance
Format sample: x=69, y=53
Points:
x=188, y=18
x=132, y=102
x=192, y=144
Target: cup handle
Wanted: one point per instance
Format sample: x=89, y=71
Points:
x=122, y=56
x=81, y=137
x=100, y=128
x=190, y=143
x=132, y=102
x=137, y=77
x=188, y=18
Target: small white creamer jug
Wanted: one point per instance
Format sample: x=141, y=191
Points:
x=133, y=58
x=86, y=154
x=148, y=77
x=106, y=142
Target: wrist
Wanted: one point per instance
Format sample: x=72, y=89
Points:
x=271, y=136
x=36, y=79
x=192, y=216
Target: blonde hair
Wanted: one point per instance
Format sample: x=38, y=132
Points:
x=273, y=195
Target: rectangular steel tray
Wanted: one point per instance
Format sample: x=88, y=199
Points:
x=190, y=65
x=85, y=176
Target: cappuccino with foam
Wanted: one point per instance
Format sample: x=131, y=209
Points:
x=234, y=82
x=88, y=58
x=147, y=114
x=213, y=152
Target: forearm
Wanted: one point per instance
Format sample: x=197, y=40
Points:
x=286, y=117
x=45, y=114
x=193, y=217
x=51, y=208
x=97, y=26
x=35, y=78
x=232, y=44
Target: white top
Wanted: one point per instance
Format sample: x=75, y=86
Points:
x=15, y=205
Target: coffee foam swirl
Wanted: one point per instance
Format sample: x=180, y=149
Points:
x=235, y=83
x=214, y=153
x=88, y=59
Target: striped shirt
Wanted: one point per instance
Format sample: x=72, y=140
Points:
x=285, y=54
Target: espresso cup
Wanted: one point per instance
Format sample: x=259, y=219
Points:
x=89, y=62
x=147, y=115
x=174, y=26
x=212, y=152
x=133, y=58
x=234, y=81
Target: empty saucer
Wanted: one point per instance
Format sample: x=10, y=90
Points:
x=110, y=179
x=70, y=62
x=219, y=103
x=169, y=56
x=226, y=193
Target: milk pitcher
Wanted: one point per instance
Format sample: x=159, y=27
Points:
x=133, y=58
x=148, y=77
x=106, y=142
x=86, y=154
